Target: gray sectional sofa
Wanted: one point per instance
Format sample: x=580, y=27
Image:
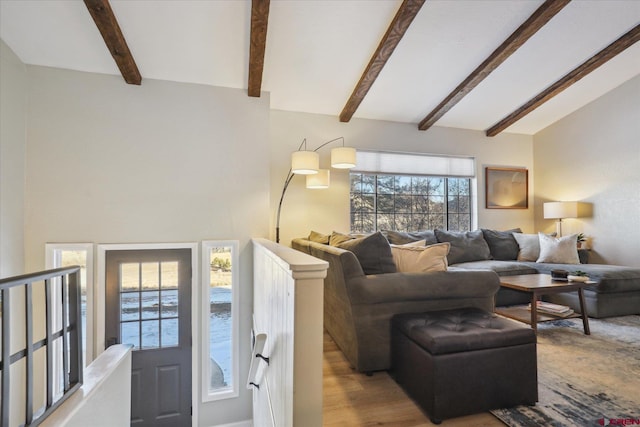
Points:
x=616, y=293
x=363, y=291
x=358, y=308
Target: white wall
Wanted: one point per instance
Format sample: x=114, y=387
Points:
x=13, y=105
x=327, y=210
x=109, y=162
x=593, y=155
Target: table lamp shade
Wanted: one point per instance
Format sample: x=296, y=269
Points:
x=559, y=210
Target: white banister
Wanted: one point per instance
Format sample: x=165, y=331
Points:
x=104, y=400
x=287, y=305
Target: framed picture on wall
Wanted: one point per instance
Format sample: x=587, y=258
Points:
x=506, y=188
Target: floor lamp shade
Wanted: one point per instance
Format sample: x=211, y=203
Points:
x=305, y=162
x=343, y=158
x=319, y=180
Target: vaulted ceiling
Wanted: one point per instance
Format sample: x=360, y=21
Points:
x=458, y=63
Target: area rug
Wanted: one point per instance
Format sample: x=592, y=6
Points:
x=584, y=380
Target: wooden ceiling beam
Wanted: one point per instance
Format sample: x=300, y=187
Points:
x=107, y=24
x=531, y=26
x=257, y=46
x=600, y=58
x=403, y=18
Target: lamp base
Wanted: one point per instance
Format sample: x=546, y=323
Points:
x=559, y=228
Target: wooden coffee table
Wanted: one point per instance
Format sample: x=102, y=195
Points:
x=537, y=285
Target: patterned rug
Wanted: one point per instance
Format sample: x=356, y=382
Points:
x=584, y=380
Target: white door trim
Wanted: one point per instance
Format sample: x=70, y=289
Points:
x=195, y=329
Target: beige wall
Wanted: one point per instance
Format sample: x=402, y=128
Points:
x=13, y=105
x=327, y=210
x=109, y=162
x=593, y=155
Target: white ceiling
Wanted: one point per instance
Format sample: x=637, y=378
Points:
x=317, y=50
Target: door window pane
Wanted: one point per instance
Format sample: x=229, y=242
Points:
x=142, y=307
x=150, y=278
x=130, y=306
x=150, y=334
x=130, y=277
x=169, y=307
x=130, y=334
x=169, y=275
x=150, y=304
x=169, y=332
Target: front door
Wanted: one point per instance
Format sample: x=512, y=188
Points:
x=148, y=305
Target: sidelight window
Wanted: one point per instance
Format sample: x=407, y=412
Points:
x=220, y=323
x=80, y=254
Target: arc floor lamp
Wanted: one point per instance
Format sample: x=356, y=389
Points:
x=305, y=162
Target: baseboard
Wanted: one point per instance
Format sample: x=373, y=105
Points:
x=247, y=423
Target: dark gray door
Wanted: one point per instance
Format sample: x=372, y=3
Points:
x=148, y=305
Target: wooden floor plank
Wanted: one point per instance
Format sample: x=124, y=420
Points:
x=355, y=400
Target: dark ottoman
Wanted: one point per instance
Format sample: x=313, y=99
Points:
x=464, y=361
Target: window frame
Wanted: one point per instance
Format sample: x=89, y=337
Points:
x=231, y=390
x=53, y=259
x=471, y=198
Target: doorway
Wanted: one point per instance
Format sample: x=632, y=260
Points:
x=148, y=305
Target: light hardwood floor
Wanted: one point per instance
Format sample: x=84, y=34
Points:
x=353, y=399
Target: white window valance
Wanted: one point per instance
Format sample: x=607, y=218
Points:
x=383, y=162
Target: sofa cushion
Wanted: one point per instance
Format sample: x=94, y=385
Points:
x=410, y=258
x=401, y=237
x=465, y=246
x=314, y=236
x=609, y=278
x=502, y=244
x=373, y=252
x=503, y=268
x=561, y=250
x=337, y=238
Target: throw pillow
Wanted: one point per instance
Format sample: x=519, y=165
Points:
x=402, y=237
x=465, y=246
x=502, y=244
x=561, y=250
x=373, y=252
x=314, y=236
x=420, y=259
x=529, y=245
x=337, y=238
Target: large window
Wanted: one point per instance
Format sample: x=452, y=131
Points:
x=220, y=321
x=411, y=192
x=409, y=203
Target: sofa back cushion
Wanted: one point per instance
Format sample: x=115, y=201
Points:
x=420, y=259
x=402, y=237
x=336, y=238
x=502, y=244
x=314, y=236
x=373, y=253
x=465, y=246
